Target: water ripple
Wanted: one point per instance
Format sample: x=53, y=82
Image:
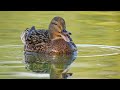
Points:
x=25, y=74
x=97, y=50
x=105, y=50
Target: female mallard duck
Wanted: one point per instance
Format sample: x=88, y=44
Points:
x=55, y=40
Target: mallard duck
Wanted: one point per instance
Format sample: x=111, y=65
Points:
x=55, y=40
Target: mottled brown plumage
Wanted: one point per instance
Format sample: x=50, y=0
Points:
x=55, y=40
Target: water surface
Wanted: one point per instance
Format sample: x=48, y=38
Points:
x=96, y=34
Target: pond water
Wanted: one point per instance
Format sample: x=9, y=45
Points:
x=96, y=34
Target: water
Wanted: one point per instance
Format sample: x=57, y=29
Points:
x=96, y=34
x=15, y=67
x=57, y=66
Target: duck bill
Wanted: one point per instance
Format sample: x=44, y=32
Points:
x=65, y=37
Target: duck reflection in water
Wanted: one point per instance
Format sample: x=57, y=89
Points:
x=55, y=65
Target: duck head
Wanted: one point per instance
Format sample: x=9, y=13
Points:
x=57, y=29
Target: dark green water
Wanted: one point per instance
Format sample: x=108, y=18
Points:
x=96, y=34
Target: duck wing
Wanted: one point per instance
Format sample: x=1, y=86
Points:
x=35, y=40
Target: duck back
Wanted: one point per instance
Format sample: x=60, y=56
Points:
x=35, y=40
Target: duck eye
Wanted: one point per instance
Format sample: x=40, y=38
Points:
x=54, y=23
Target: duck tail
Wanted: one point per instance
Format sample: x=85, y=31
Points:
x=22, y=36
x=27, y=33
